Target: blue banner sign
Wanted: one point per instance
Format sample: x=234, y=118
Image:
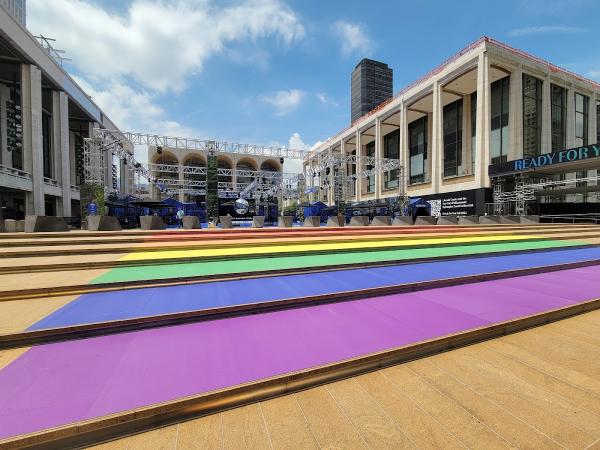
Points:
x=548, y=159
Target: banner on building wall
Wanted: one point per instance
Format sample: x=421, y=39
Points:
x=459, y=203
x=545, y=160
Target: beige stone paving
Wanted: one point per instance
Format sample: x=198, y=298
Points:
x=18, y=315
x=509, y=392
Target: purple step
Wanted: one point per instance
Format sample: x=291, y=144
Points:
x=57, y=384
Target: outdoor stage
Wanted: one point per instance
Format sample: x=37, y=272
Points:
x=106, y=334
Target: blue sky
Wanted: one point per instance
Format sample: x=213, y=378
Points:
x=277, y=72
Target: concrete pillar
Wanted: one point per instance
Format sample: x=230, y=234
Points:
x=72, y=160
x=515, y=114
x=404, y=157
x=331, y=187
x=546, y=117
x=437, y=138
x=359, y=166
x=482, y=138
x=31, y=104
x=378, y=154
x=466, y=167
x=62, y=162
x=570, y=118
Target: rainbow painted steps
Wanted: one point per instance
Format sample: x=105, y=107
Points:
x=117, y=311
x=160, y=272
x=126, y=381
x=82, y=247
x=81, y=391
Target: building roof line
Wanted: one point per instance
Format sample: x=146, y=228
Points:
x=551, y=67
x=443, y=65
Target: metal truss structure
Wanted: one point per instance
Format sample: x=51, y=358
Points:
x=204, y=145
x=201, y=170
x=524, y=193
x=331, y=160
x=121, y=143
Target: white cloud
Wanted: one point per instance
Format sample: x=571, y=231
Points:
x=284, y=101
x=129, y=62
x=159, y=44
x=547, y=29
x=325, y=99
x=297, y=143
x=134, y=110
x=594, y=74
x=354, y=37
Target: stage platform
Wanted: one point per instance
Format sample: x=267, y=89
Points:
x=219, y=319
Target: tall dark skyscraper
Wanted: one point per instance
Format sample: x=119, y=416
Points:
x=372, y=84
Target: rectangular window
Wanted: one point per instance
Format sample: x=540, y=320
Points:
x=473, y=130
x=558, y=97
x=391, y=150
x=582, y=106
x=453, y=116
x=499, y=120
x=532, y=116
x=370, y=152
x=417, y=147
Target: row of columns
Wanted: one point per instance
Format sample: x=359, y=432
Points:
x=33, y=158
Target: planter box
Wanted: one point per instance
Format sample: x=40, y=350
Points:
x=285, y=221
x=489, y=220
x=312, y=221
x=225, y=221
x=191, y=222
x=103, y=223
x=381, y=221
x=335, y=221
x=34, y=224
x=530, y=220
x=426, y=220
x=447, y=220
x=510, y=220
x=359, y=221
x=258, y=221
x=468, y=220
x=152, y=223
x=402, y=221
